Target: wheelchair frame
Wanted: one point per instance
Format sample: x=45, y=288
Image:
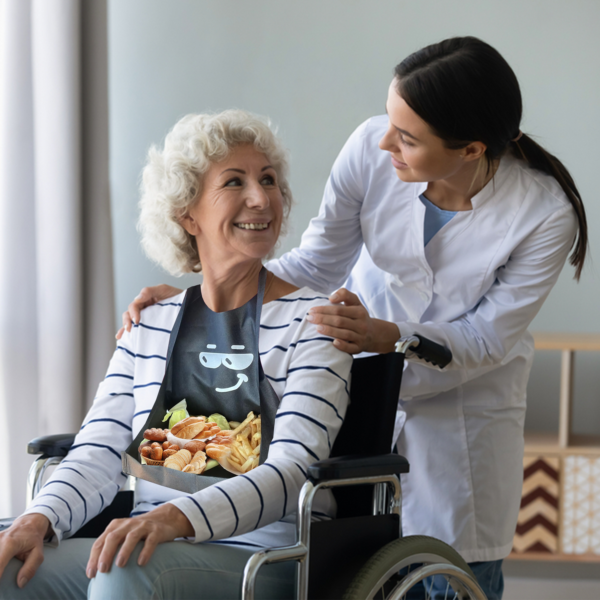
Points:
x=300, y=551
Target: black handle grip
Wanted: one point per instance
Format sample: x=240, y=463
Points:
x=429, y=351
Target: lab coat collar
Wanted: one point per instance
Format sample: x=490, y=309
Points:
x=463, y=219
x=492, y=186
x=489, y=190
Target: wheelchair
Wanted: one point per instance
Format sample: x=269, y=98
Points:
x=361, y=554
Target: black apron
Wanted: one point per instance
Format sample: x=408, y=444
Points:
x=213, y=363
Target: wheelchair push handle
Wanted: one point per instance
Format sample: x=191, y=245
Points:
x=424, y=348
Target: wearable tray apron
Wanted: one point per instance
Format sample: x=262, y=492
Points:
x=213, y=363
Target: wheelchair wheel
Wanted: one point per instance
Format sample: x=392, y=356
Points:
x=418, y=557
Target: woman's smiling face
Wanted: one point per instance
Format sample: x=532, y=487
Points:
x=240, y=210
x=416, y=152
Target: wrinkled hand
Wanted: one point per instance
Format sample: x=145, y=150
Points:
x=147, y=297
x=24, y=540
x=348, y=322
x=163, y=524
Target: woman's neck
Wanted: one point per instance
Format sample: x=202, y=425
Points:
x=227, y=287
x=454, y=193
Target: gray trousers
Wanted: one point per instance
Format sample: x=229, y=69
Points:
x=177, y=571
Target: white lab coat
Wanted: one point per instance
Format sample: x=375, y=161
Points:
x=475, y=288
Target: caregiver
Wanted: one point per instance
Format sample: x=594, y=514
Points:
x=457, y=230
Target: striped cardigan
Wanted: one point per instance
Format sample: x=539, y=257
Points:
x=308, y=374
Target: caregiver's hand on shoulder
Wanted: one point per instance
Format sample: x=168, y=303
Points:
x=348, y=321
x=24, y=540
x=163, y=524
x=147, y=297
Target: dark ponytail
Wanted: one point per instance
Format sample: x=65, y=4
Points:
x=537, y=158
x=466, y=92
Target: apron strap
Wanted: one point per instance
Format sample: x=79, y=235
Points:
x=262, y=279
x=175, y=331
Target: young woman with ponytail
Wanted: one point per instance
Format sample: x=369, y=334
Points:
x=442, y=218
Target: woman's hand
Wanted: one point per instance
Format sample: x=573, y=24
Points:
x=147, y=297
x=24, y=540
x=350, y=324
x=163, y=524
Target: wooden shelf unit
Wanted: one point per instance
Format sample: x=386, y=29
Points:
x=547, y=443
x=559, y=518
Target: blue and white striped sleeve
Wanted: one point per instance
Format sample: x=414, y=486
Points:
x=311, y=412
x=89, y=477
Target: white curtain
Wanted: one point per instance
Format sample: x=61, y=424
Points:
x=56, y=299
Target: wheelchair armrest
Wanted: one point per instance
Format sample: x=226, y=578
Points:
x=352, y=467
x=51, y=445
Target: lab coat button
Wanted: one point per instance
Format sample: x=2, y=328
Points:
x=424, y=296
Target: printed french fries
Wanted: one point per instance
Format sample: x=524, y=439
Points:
x=247, y=443
x=244, y=447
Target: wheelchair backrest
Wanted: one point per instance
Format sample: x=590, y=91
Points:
x=374, y=389
x=368, y=427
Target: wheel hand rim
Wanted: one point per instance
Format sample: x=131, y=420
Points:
x=456, y=575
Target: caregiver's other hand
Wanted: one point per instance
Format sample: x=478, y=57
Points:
x=348, y=321
x=147, y=297
x=24, y=540
x=163, y=524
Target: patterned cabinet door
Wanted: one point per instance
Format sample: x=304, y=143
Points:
x=537, y=526
x=581, y=501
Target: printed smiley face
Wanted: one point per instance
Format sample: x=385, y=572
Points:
x=235, y=362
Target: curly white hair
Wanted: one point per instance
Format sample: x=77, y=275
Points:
x=172, y=179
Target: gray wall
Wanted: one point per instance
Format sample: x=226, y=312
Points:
x=318, y=69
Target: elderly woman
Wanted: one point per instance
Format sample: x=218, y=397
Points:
x=214, y=199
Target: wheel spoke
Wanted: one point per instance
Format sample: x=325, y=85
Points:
x=447, y=588
x=430, y=588
x=456, y=596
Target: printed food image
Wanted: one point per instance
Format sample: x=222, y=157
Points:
x=197, y=444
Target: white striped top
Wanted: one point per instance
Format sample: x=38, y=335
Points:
x=308, y=374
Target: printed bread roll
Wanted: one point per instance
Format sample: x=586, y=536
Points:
x=178, y=460
x=219, y=446
x=187, y=421
x=198, y=464
x=195, y=446
x=169, y=452
x=145, y=451
x=190, y=431
x=155, y=445
x=218, y=451
x=165, y=445
x=156, y=435
x=223, y=440
x=209, y=431
x=198, y=422
x=156, y=453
